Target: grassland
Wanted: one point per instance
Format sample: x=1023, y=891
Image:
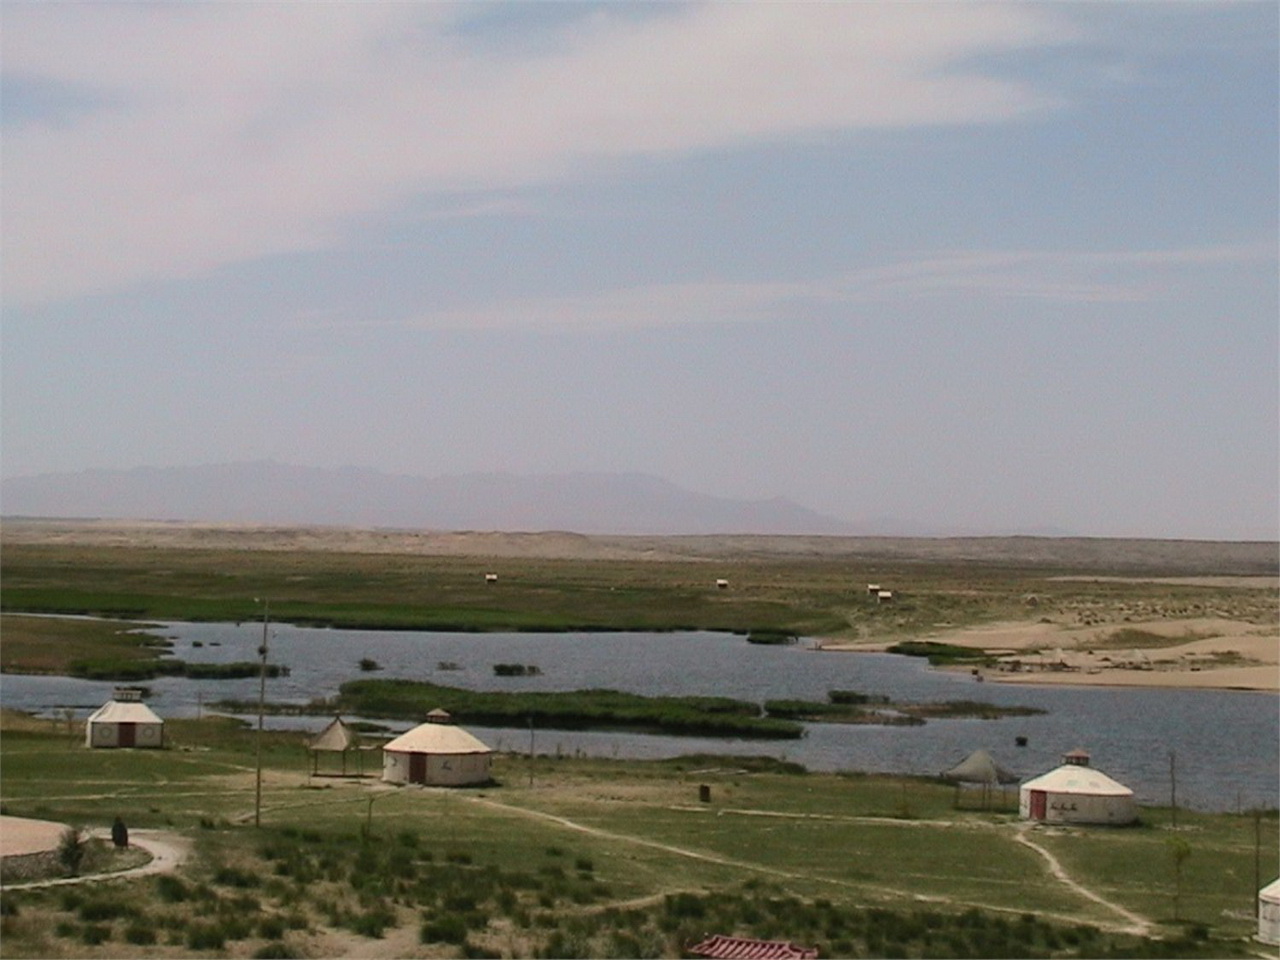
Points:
x=572, y=857
x=810, y=594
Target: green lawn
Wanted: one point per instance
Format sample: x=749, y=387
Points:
x=623, y=858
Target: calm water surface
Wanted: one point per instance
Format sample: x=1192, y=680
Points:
x=1227, y=743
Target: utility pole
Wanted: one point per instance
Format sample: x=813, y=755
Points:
x=1173, y=786
x=1257, y=860
x=531, y=750
x=262, y=699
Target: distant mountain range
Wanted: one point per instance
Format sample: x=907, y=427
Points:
x=273, y=493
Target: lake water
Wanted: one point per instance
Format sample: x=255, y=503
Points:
x=1227, y=743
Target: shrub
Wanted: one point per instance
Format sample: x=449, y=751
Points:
x=170, y=889
x=204, y=936
x=373, y=923
x=233, y=877
x=276, y=950
x=104, y=909
x=140, y=933
x=71, y=850
x=446, y=929
x=271, y=928
x=95, y=933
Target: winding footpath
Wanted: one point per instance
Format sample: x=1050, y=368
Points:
x=1129, y=922
x=1133, y=922
x=168, y=851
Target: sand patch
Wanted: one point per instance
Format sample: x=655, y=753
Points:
x=1211, y=653
x=21, y=836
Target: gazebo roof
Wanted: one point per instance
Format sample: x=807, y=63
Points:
x=980, y=767
x=337, y=737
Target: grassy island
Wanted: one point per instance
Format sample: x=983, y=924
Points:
x=576, y=710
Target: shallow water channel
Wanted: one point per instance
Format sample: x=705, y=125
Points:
x=1227, y=743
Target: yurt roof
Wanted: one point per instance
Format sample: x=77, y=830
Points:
x=437, y=738
x=337, y=736
x=980, y=767
x=1073, y=778
x=1271, y=892
x=116, y=711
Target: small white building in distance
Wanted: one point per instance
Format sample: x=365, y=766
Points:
x=1269, y=913
x=124, y=721
x=1076, y=793
x=436, y=753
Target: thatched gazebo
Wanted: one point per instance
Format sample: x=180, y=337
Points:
x=980, y=768
x=338, y=738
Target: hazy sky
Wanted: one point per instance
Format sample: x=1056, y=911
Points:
x=995, y=267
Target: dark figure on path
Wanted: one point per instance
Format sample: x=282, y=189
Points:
x=119, y=833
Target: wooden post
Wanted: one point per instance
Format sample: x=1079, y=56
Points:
x=262, y=699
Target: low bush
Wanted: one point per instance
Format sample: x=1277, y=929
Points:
x=276, y=950
x=170, y=889
x=140, y=934
x=93, y=934
x=205, y=936
x=444, y=929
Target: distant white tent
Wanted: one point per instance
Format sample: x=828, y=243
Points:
x=124, y=721
x=436, y=753
x=1269, y=913
x=1076, y=793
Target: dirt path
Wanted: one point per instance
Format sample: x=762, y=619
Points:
x=168, y=851
x=1132, y=923
x=1135, y=923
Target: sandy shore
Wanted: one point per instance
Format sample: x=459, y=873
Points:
x=1206, y=653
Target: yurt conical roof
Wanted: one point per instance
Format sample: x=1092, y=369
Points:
x=1072, y=778
x=980, y=767
x=127, y=711
x=432, y=737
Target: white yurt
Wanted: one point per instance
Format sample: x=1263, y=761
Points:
x=1269, y=913
x=1076, y=793
x=437, y=753
x=124, y=721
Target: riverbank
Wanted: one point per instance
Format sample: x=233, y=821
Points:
x=1201, y=653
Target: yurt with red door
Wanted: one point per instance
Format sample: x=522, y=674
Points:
x=436, y=753
x=1076, y=793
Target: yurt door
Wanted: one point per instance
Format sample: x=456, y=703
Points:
x=417, y=768
x=128, y=734
x=1038, y=804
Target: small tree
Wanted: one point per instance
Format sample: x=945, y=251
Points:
x=1179, y=850
x=71, y=850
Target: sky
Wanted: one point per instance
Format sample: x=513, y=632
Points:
x=990, y=267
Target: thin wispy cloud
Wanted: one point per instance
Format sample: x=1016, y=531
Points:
x=991, y=265
x=1063, y=277
x=212, y=133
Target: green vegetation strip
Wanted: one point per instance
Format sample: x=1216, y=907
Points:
x=582, y=709
x=846, y=707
